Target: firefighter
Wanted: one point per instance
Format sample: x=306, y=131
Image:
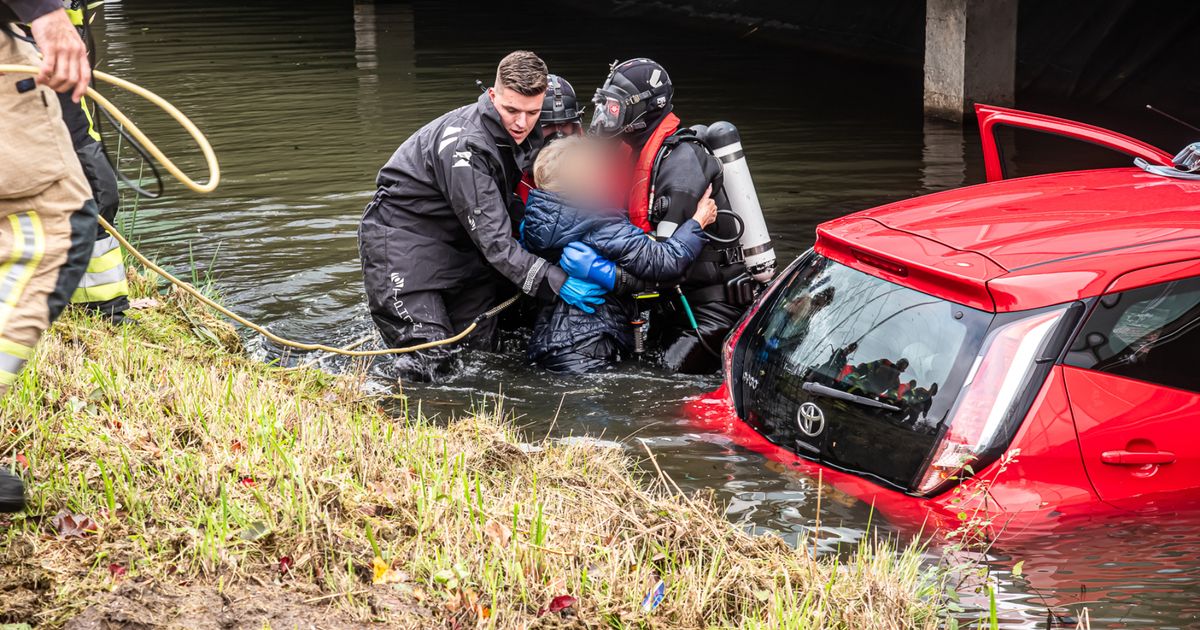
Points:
x=104, y=287
x=47, y=214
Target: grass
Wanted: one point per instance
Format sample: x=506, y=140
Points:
x=218, y=486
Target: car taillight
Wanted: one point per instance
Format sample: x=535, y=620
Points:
x=999, y=378
x=731, y=341
x=736, y=333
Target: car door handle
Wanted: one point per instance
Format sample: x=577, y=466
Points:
x=1137, y=458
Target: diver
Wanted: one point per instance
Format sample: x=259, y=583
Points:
x=561, y=115
x=672, y=168
x=571, y=209
x=561, y=118
x=438, y=241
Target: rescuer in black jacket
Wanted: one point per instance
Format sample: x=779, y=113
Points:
x=439, y=240
x=672, y=169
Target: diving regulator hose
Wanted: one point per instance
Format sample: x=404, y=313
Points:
x=214, y=179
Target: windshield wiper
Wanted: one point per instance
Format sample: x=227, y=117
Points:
x=829, y=392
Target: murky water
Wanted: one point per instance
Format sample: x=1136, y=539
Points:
x=304, y=103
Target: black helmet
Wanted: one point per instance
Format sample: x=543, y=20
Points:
x=636, y=92
x=559, y=104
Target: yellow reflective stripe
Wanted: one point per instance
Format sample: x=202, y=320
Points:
x=12, y=359
x=102, y=278
x=106, y=261
x=39, y=248
x=87, y=113
x=18, y=250
x=76, y=16
x=29, y=244
x=100, y=293
x=18, y=350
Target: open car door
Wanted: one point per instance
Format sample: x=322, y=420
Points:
x=992, y=117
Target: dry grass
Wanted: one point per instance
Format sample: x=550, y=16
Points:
x=203, y=471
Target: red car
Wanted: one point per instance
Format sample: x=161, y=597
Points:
x=1054, y=319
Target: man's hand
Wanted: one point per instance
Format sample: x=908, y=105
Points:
x=65, y=65
x=706, y=209
x=582, y=262
x=582, y=294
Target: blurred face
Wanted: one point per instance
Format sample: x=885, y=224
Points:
x=589, y=176
x=518, y=113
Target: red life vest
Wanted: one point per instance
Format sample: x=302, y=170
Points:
x=639, y=192
x=524, y=186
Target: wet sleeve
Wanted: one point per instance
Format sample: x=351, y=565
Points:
x=682, y=180
x=471, y=174
x=640, y=255
x=30, y=10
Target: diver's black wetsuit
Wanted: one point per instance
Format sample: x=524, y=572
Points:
x=683, y=175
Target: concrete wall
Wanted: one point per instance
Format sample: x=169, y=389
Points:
x=1117, y=53
x=970, y=55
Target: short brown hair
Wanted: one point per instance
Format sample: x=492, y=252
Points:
x=522, y=72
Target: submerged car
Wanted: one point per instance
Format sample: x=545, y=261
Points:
x=1046, y=324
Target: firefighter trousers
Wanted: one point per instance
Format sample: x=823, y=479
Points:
x=47, y=215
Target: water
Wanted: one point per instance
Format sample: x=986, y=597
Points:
x=304, y=103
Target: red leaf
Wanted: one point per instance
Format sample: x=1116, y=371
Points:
x=116, y=571
x=285, y=565
x=247, y=481
x=561, y=603
x=236, y=446
x=22, y=461
x=73, y=525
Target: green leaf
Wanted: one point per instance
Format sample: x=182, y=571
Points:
x=1017, y=568
x=446, y=578
x=255, y=531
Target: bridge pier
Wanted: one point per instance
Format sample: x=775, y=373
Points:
x=970, y=55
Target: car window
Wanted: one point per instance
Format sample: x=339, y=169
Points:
x=1150, y=334
x=881, y=363
x=867, y=336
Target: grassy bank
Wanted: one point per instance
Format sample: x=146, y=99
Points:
x=175, y=483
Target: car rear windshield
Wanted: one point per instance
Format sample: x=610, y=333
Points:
x=879, y=363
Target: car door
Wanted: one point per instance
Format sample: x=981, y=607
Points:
x=1133, y=378
x=992, y=118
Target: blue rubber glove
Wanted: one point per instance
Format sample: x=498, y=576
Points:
x=581, y=261
x=582, y=294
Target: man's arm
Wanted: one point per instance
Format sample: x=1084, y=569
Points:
x=482, y=208
x=30, y=10
x=65, y=65
x=636, y=253
x=684, y=176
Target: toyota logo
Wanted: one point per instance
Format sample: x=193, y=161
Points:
x=810, y=419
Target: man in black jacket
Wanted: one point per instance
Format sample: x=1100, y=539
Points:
x=438, y=240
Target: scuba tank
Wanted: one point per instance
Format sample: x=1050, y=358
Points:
x=723, y=140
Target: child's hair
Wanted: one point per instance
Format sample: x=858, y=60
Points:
x=552, y=169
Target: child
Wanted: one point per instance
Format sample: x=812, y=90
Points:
x=567, y=211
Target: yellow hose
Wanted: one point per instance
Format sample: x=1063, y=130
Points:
x=196, y=293
x=214, y=178
x=214, y=169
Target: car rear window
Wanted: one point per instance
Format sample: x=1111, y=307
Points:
x=834, y=330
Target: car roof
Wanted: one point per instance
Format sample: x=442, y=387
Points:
x=1042, y=240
